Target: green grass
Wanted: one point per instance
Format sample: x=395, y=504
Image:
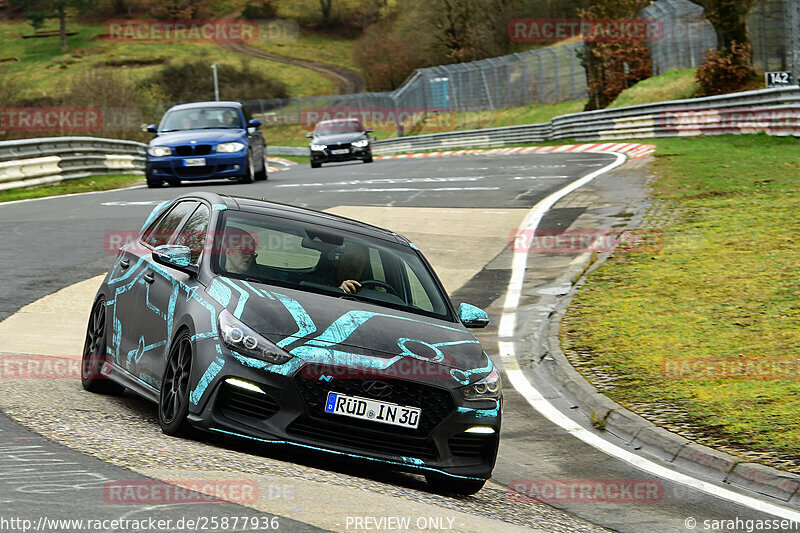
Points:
x=723, y=290
x=301, y=44
x=46, y=71
x=92, y=183
x=672, y=85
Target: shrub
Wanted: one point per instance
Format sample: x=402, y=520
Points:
x=725, y=72
x=259, y=10
x=193, y=81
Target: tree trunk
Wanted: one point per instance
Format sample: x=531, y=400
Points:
x=325, y=6
x=62, y=23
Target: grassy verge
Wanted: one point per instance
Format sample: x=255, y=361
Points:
x=47, y=71
x=92, y=183
x=703, y=335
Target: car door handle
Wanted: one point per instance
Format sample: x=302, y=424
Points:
x=149, y=278
x=125, y=263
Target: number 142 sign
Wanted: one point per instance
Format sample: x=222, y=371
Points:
x=778, y=79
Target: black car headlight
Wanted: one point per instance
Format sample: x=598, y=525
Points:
x=244, y=340
x=489, y=388
x=318, y=147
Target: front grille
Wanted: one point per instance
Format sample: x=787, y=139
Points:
x=362, y=439
x=188, y=149
x=472, y=445
x=436, y=403
x=237, y=401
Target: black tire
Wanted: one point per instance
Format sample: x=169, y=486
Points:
x=154, y=184
x=262, y=174
x=173, y=401
x=94, y=354
x=368, y=160
x=250, y=171
x=315, y=165
x=442, y=484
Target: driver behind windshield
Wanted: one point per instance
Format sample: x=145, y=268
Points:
x=349, y=269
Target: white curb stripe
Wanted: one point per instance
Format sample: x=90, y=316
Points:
x=524, y=387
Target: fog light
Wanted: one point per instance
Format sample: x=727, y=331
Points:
x=244, y=385
x=480, y=429
x=235, y=167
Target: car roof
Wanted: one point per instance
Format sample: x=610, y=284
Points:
x=302, y=214
x=198, y=105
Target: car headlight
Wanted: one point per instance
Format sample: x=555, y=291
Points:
x=229, y=148
x=489, y=388
x=361, y=144
x=159, y=151
x=318, y=147
x=242, y=339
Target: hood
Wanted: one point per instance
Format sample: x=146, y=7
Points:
x=338, y=138
x=215, y=136
x=323, y=329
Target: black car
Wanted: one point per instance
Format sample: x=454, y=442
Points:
x=340, y=140
x=234, y=316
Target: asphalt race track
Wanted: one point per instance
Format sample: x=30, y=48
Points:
x=462, y=212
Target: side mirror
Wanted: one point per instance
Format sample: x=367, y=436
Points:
x=175, y=256
x=472, y=317
x=310, y=135
x=369, y=130
x=254, y=124
x=152, y=128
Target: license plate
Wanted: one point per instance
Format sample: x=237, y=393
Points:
x=340, y=151
x=196, y=162
x=375, y=410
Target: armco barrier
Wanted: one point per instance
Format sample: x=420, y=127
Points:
x=773, y=111
x=49, y=160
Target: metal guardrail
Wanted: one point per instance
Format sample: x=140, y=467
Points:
x=28, y=162
x=774, y=111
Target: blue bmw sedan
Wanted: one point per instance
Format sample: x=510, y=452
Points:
x=206, y=140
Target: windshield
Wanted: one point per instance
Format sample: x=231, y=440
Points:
x=339, y=126
x=319, y=259
x=201, y=119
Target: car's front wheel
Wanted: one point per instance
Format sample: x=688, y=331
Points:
x=315, y=165
x=250, y=171
x=154, y=184
x=94, y=354
x=443, y=484
x=173, y=402
x=262, y=174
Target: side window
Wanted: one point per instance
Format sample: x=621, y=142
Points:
x=161, y=232
x=193, y=233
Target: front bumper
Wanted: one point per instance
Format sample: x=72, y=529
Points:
x=353, y=154
x=290, y=411
x=217, y=165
